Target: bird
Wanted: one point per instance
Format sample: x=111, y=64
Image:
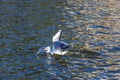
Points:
x=58, y=47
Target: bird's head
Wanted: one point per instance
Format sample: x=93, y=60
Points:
x=47, y=49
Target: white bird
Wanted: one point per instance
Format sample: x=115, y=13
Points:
x=58, y=46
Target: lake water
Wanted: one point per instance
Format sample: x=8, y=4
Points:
x=91, y=27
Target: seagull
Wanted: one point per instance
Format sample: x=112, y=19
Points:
x=59, y=47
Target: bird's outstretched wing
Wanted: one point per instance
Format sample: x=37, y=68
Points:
x=57, y=36
x=61, y=45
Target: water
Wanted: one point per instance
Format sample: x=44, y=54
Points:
x=91, y=27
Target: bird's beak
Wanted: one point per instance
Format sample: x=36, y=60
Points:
x=44, y=49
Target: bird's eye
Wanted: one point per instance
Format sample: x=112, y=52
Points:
x=47, y=48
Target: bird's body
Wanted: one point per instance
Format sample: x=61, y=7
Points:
x=58, y=46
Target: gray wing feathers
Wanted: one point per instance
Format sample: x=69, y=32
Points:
x=61, y=45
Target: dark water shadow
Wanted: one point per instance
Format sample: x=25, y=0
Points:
x=85, y=53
